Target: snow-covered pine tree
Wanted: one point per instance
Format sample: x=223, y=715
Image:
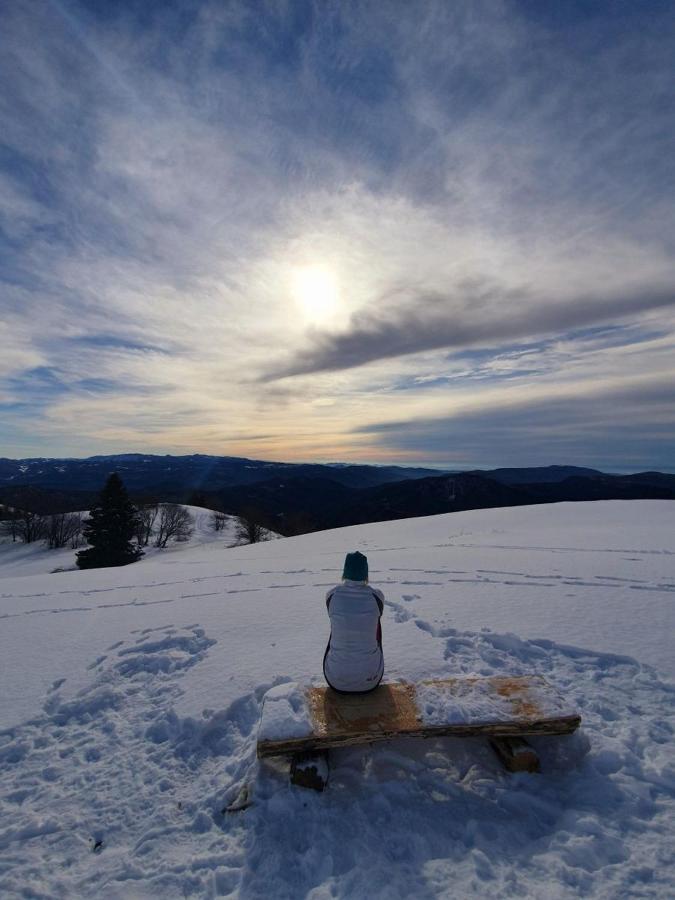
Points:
x=110, y=528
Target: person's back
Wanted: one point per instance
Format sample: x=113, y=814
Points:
x=353, y=662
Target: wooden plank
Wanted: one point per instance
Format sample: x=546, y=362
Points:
x=315, y=742
x=391, y=707
x=515, y=754
x=310, y=770
x=497, y=706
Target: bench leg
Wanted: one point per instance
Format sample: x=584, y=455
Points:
x=310, y=770
x=515, y=754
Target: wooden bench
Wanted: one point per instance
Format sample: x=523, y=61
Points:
x=303, y=721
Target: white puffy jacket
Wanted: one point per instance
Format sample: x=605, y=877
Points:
x=353, y=661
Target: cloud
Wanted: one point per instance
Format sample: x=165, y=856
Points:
x=626, y=425
x=476, y=175
x=111, y=341
x=477, y=315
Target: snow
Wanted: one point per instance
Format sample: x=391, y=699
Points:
x=36, y=558
x=478, y=701
x=17, y=558
x=131, y=699
x=285, y=713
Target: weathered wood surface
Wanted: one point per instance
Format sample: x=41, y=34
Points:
x=515, y=754
x=523, y=705
x=310, y=770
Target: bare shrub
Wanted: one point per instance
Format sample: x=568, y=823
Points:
x=9, y=526
x=248, y=529
x=63, y=529
x=218, y=521
x=174, y=522
x=147, y=515
x=77, y=537
x=30, y=526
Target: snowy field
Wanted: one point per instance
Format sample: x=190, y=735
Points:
x=131, y=697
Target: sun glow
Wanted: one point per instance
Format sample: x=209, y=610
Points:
x=315, y=290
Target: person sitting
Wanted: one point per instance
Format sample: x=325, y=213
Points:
x=353, y=662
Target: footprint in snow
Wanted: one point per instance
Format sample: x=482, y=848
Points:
x=166, y=654
x=400, y=614
x=97, y=661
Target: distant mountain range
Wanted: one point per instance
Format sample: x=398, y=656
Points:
x=144, y=472
x=296, y=498
x=294, y=506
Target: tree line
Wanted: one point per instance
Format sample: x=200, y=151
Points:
x=117, y=530
x=59, y=530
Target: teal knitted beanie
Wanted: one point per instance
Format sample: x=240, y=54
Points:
x=356, y=567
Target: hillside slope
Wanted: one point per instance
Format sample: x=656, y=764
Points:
x=131, y=698
x=36, y=558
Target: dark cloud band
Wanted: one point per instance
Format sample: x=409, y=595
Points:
x=472, y=316
x=628, y=426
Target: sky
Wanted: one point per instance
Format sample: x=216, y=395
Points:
x=415, y=233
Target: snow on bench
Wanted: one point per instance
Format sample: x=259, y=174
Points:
x=300, y=718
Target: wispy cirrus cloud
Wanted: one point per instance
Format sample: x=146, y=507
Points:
x=474, y=176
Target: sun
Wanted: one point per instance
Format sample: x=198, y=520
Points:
x=315, y=290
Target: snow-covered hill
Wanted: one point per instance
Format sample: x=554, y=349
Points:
x=130, y=700
x=36, y=558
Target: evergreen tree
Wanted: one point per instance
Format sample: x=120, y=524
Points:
x=112, y=524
